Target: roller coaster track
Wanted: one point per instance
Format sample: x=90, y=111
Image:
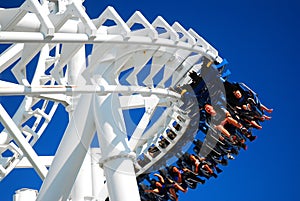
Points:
x=142, y=64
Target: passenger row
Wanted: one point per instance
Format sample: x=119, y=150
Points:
x=229, y=112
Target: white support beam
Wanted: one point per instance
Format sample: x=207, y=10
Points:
x=29, y=52
x=159, y=60
x=148, y=30
x=186, y=36
x=118, y=161
x=34, y=6
x=132, y=101
x=10, y=55
x=74, y=10
x=184, y=68
x=70, y=153
x=209, y=50
x=152, y=131
x=77, y=10
x=30, y=37
x=68, y=51
x=139, y=61
x=41, y=65
x=45, y=160
x=12, y=16
x=139, y=101
x=128, y=59
x=17, y=135
x=172, y=65
x=111, y=14
x=150, y=106
x=170, y=33
x=15, y=89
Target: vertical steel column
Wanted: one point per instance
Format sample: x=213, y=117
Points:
x=75, y=68
x=83, y=184
x=70, y=153
x=99, y=188
x=25, y=195
x=117, y=164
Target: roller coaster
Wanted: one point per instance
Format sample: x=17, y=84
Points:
x=194, y=119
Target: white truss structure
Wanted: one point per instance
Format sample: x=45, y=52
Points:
x=54, y=35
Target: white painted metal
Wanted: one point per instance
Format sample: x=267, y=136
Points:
x=56, y=32
x=117, y=159
x=45, y=160
x=25, y=195
x=22, y=143
x=12, y=89
x=99, y=181
x=83, y=184
x=150, y=106
x=70, y=153
x=10, y=55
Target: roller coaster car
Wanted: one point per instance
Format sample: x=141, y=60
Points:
x=236, y=141
x=144, y=196
x=204, y=126
x=209, y=89
x=206, y=90
x=189, y=179
x=163, y=195
x=215, y=155
x=192, y=182
x=151, y=196
x=218, y=147
x=217, y=160
x=184, y=162
x=248, y=97
x=143, y=177
x=212, y=160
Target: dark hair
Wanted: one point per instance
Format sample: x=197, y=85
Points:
x=152, y=182
x=170, y=168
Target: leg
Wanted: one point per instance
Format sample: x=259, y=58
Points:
x=233, y=122
x=262, y=107
x=266, y=117
x=255, y=124
x=173, y=193
x=180, y=188
x=223, y=130
x=207, y=168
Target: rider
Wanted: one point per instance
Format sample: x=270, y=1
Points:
x=164, y=185
x=183, y=175
x=246, y=103
x=220, y=117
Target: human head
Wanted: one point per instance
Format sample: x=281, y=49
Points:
x=210, y=110
x=171, y=168
x=153, y=182
x=237, y=94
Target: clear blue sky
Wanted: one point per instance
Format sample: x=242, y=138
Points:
x=260, y=39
